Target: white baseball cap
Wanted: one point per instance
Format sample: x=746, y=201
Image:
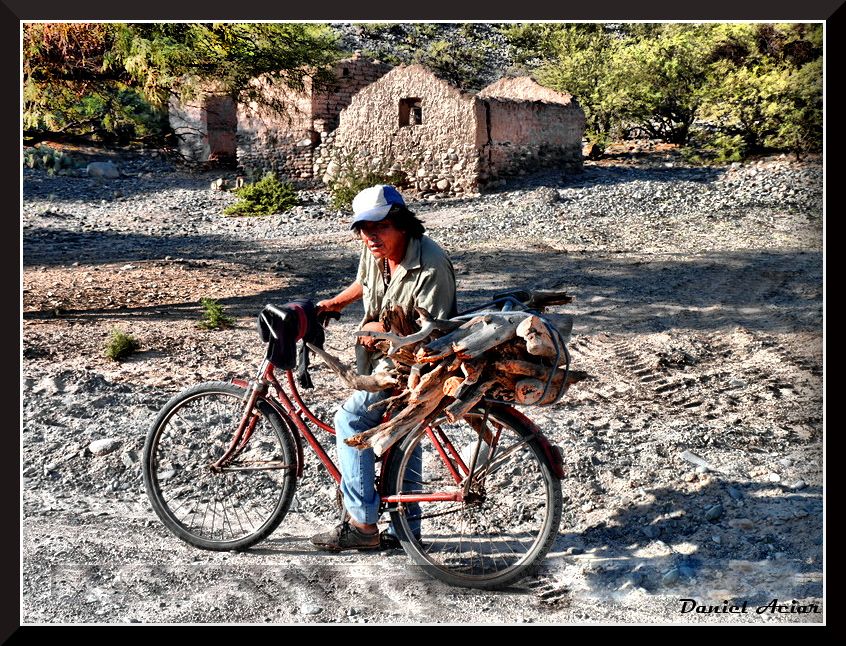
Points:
x=372, y=204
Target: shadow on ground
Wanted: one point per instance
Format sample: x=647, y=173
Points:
x=768, y=291
x=760, y=547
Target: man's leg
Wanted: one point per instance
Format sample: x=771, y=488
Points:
x=358, y=468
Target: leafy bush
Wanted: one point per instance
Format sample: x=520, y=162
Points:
x=213, y=316
x=121, y=345
x=264, y=197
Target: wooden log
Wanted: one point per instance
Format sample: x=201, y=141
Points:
x=472, y=370
x=386, y=434
x=538, y=338
x=461, y=407
x=451, y=385
x=371, y=383
x=528, y=391
x=442, y=346
x=426, y=383
x=541, y=298
x=493, y=330
x=519, y=367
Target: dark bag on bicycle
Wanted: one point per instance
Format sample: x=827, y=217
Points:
x=281, y=328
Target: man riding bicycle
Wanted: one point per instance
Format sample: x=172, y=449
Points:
x=399, y=266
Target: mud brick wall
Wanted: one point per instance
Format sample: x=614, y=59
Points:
x=270, y=141
x=526, y=136
x=437, y=155
x=286, y=144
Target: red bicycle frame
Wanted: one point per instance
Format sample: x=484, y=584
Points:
x=296, y=413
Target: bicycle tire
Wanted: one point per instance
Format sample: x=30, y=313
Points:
x=243, y=506
x=490, y=542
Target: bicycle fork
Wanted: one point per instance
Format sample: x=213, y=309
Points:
x=258, y=389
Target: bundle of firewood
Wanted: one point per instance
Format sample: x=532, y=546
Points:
x=446, y=367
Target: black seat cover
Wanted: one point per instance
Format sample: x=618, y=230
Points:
x=290, y=323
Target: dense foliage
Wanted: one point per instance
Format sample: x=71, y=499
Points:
x=112, y=81
x=730, y=89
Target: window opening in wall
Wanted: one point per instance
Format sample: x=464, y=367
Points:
x=410, y=112
x=345, y=71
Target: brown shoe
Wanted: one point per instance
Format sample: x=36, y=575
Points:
x=345, y=537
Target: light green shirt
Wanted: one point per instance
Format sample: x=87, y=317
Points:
x=425, y=278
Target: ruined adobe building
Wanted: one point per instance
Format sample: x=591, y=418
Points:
x=407, y=120
x=212, y=126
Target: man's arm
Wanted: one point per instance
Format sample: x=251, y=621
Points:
x=350, y=295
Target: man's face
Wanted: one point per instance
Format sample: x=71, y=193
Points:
x=383, y=239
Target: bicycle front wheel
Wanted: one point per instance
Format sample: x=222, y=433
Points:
x=218, y=509
x=506, y=523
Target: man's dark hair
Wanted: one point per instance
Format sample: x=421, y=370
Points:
x=402, y=219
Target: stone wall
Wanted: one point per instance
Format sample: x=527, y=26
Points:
x=530, y=127
x=352, y=75
x=437, y=155
x=278, y=142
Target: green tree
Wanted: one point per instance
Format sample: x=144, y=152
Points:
x=583, y=55
x=657, y=79
x=765, y=87
x=86, y=78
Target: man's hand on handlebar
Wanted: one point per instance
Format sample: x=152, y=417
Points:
x=326, y=311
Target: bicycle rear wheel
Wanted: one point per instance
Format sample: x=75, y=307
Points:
x=229, y=509
x=502, y=530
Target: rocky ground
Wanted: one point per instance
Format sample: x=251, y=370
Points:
x=694, y=452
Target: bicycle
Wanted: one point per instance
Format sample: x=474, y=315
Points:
x=222, y=459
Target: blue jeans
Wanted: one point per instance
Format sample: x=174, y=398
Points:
x=358, y=468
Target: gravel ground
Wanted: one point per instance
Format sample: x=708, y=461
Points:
x=698, y=304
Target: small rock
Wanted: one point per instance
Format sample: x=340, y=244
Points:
x=588, y=506
x=690, y=476
x=717, y=539
x=651, y=531
x=713, y=513
x=104, y=446
x=310, y=610
x=671, y=577
x=129, y=459
x=351, y=612
x=786, y=462
x=774, y=477
x=701, y=469
x=573, y=550
x=799, y=484
x=735, y=493
x=105, y=170
x=49, y=386
x=741, y=523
